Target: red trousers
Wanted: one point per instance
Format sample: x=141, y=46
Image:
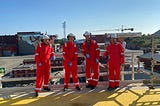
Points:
x=71, y=70
x=43, y=75
x=92, y=67
x=114, y=74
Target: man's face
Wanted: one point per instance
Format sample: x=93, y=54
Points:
x=113, y=40
x=87, y=37
x=71, y=38
x=46, y=41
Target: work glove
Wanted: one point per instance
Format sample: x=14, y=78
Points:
x=69, y=64
x=97, y=60
x=53, y=58
x=40, y=64
x=87, y=56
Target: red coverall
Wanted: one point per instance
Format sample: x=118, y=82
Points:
x=91, y=64
x=116, y=59
x=42, y=56
x=70, y=56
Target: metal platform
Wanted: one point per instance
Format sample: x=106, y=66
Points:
x=130, y=93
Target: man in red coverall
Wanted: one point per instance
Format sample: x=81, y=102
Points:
x=44, y=52
x=91, y=52
x=70, y=62
x=115, y=51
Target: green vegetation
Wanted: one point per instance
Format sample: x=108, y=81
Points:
x=143, y=42
x=134, y=43
x=2, y=70
x=61, y=41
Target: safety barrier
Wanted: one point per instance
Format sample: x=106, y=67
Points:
x=131, y=59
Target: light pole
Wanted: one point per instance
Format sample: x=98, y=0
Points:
x=64, y=29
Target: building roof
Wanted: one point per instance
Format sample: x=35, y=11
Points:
x=28, y=33
x=149, y=56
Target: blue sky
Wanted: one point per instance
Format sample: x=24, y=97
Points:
x=80, y=15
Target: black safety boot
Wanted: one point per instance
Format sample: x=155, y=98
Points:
x=47, y=89
x=88, y=86
x=36, y=94
x=65, y=89
x=78, y=88
x=110, y=89
x=92, y=87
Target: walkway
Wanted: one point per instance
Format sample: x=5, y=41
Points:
x=131, y=93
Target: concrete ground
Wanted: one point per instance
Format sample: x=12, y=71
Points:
x=11, y=62
x=131, y=93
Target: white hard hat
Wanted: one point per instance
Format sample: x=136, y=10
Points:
x=114, y=35
x=71, y=34
x=45, y=36
x=86, y=33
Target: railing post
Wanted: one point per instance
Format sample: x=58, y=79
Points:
x=132, y=66
x=138, y=62
x=122, y=73
x=0, y=82
x=152, y=62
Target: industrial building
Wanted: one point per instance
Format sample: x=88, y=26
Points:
x=22, y=43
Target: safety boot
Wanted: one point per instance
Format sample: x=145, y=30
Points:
x=36, y=94
x=65, y=89
x=78, y=88
x=47, y=89
x=88, y=86
x=92, y=87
